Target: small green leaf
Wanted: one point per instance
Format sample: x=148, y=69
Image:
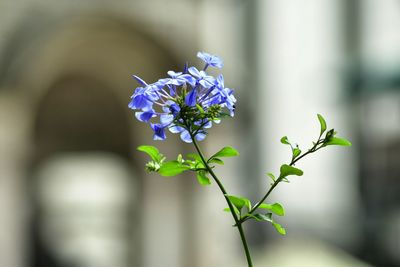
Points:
x=194, y=156
x=180, y=159
x=336, y=141
x=239, y=202
x=272, y=176
x=152, y=166
x=330, y=134
x=202, y=178
x=279, y=228
x=322, y=122
x=198, y=163
x=296, y=152
x=216, y=160
x=200, y=108
x=227, y=151
x=247, y=203
x=284, y=140
x=172, y=168
x=275, y=208
x=287, y=170
x=264, y=217
x=152, y=152
x=267, y=218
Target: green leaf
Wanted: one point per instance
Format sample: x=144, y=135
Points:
x=200, y=109
x=296, y=152
x=172, y=168
x=216, y=160
x=336, y=141
x=239, y=202
x=198, y=163
x=279, y=228
x=330, y=134
x=267, y=218
x=263, y=217
x=180, y=159
x=152, y=152
x=284, y=140
x=275, y=208
x=227, y=151
x=194, y=156
x=287, y=170
x=322, y=122
x=272, y=176
x=247, y=203
x=202, y=178
x=152, y=166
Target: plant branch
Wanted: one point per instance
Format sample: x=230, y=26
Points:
x=280, y=178
x=238, y=222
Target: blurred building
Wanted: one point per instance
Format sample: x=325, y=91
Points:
x=73, y=191
x=73, y=187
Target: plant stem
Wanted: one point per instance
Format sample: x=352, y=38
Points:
x=238, y=222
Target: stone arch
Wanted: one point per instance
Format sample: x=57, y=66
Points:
x=91, y=56
x=99, y=46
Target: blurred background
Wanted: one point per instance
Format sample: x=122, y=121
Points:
x=73, y=192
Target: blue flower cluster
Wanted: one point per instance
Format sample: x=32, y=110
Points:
x=186, y=102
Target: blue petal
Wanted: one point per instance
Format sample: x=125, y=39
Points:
x=220, y=82
x=176, y=129
x=177, y=81
x=210, y=59
x=174, y=74
x=172, y=90
x=190, y=99
x=144, y=116
x=189, y=79
x=174, y=108
x=139, y=80
x=159, y=132
x=195, y=72
x=166, y=119
x=185, y=136
x=206, y=83
x=200, y=136
x=208, y=125
x=140, y=102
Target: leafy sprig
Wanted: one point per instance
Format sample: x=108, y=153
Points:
x=242, y=207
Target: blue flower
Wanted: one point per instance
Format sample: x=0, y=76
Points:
x=210, y=60
x=159, y=131
x=201, y=77
x=178, y=78
x=186, y=102
x=227, y=98
x=190, y=99
x=145, y=116
x=143, y=98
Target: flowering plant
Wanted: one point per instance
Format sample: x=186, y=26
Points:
x=188, y=103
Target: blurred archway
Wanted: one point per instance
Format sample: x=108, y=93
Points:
x=84, y=188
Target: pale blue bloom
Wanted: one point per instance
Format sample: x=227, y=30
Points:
x=185, y=102
x=210, y=60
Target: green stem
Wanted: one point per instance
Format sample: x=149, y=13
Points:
x=238, y=222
